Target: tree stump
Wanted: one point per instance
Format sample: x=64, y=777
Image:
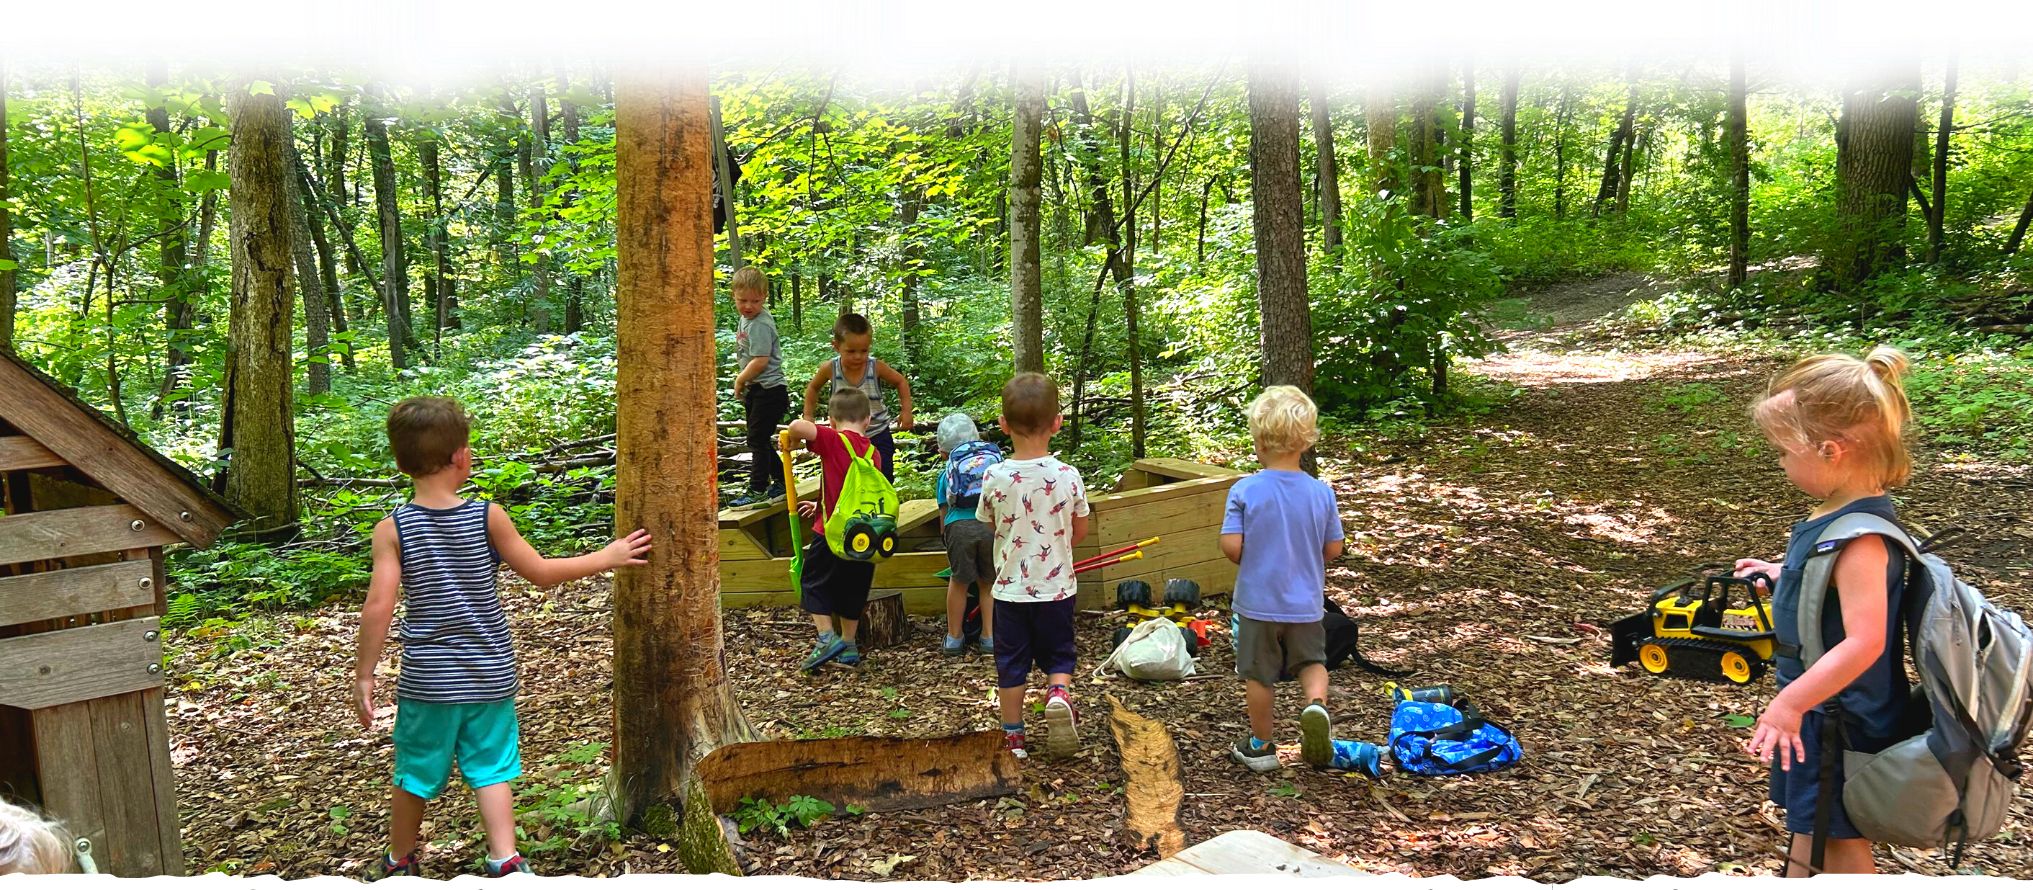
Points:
x=883, y=623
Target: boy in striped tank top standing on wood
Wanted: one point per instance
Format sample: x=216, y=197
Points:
x=455, y=695
x=855, y=368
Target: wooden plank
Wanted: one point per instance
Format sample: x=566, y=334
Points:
x=916, y=600
x=17, y=756
x=914, y=513
x=163, y=774
x=901, y=570
x=63, y=666
x=737, y=544
x=61, y=533
x=1248, y=852
x=24, y=453
x=1186, y=518
x=742, y=517
x=40, y=408
x=126, y=788
x=57, y=594
x=1127, y=499
x=68, y=770
x=1174, y=469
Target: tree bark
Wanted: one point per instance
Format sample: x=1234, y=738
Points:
x=174, y=271
x=1466, y=154
x=723, y=177
x=1131, y=324
x=394, y=252
x=575, y=283
x=1628, y=175
x=328, y=263
x=1873, y=166
x=335, y=176
x=539, y=151
x=1612, y=164
x=443, y=293
x=1938, y=206
x=1026, y=279
x=2019, y=229
x=1104, y=223
x=1560, y=153
x=257, y=427
x=1329, y=172
x=1428, y=185
x=1737, y=133
x=1287, y=321
x=7, y=261
x=317, y=309
x=1380, y=113
x=1507, y=173
x=672, y=699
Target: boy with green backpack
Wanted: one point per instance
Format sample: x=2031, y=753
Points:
x=854, y=498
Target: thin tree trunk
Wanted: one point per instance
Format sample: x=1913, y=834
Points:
x=7, y=261
x=335, y=177
x=1025, y=275
x=1628, y=176
x=1428, y=186
x=913, y=258
x=1329, y=173
x=1130, y=324
x=174, y=270
x=797, y=302
x=1560, y=153
x=1380, y=113
x=440, y=287
x=1103, y=221
x=1507, y=173
x=673, y=701
x=2019, y=229
x=317, y=309
x=1200, y=238
x=328, y=261
x=1873, y=170
x=1613, y=159
x=724, y=180
x=1738, y=136
x=1465, y=158
x=575, y=283
x=539, y=151
x=1286, y=312
x=1939, y=205
x=257, y=427
x=394, y=253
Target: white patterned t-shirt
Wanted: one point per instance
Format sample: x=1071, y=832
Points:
x=1031, y=505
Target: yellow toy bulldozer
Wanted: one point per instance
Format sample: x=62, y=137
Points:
x=1700, y=636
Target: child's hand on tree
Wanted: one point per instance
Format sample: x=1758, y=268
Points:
x=1778, y=733
x=627, y=551
x=1747, y=567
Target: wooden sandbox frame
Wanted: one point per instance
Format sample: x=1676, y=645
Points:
x=1178, y=501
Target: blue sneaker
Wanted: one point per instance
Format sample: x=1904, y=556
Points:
x=953, y=646
x=1316, y=735
x=850, y=654
x=985, y=646
x=1353, y=756
x=827, y=649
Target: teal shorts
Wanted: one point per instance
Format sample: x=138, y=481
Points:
x=429, y=735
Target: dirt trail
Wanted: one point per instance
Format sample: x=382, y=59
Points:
x=1485, y=552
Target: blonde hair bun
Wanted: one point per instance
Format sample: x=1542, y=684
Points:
x=1889, y=364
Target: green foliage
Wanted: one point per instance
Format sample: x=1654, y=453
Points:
x=798, y=812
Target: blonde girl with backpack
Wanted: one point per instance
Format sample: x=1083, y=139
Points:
x=1839, y=424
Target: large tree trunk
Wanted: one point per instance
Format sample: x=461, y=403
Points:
x=1428, y=183
x=1277, y=209
x=1507, y=173
x=1380, y=114
x=1873, y=166
x=1938, y=206
x=1026, y=281
x=174, y=271
x=317, y=309
x=394, y=252
x=1329, y=172
x=7, y=270
x=1466, y=154
x=1628, y=177
x=257, y=429
x=1613, y=162
x=1736, y=132
x=672, y=699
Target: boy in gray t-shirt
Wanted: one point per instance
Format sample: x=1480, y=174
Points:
x=759, y=386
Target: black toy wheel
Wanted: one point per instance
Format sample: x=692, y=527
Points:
x=1121, y=633
x=1192, y=640
x=1183, y=592
x=1132, y=593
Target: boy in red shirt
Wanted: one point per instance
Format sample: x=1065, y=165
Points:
x=834, y=590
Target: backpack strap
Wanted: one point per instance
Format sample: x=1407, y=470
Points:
x=1819, y=572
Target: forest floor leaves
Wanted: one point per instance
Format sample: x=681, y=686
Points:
x=1487, y=552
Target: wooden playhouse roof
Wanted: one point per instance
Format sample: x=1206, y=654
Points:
x=111, y=454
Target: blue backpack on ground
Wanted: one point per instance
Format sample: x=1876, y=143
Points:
x=965, y=469
x=1451, y=738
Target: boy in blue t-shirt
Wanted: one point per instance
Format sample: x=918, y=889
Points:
x=1282, y=527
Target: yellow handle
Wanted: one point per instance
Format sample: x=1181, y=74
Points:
x=1129, y=556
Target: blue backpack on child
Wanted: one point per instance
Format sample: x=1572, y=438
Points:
x=964, y=471
x=1447, y=737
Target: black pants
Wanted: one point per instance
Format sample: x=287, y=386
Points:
x=766, y=406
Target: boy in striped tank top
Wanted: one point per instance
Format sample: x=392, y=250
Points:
x=455, y=695
x=854, y=368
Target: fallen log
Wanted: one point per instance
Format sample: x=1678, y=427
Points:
x=875, y=773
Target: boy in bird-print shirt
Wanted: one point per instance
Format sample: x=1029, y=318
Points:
x=1038, y=509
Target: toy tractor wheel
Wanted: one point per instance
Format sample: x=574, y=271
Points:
x=1738, y=669
x=1121, y=633
x=1192, y=640
x=1652, y=657
x=1132, y=593
x=1182, y=591
x=886, y=544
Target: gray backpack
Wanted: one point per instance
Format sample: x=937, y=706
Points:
x=1952, y=782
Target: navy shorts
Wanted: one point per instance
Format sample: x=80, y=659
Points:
x=1032, y=633
x=832, y=585
x=885, y=444
x=1798, y=790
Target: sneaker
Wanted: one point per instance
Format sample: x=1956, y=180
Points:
x=827, y=649
x=1063, y=736
x=850, y=654
x=775, y=492
x=750, y=499
x=384, y=867
x=1261, y=759
x=1357, y=757
x=1014, y=743
x=1316, y=735
x=985, y=645
x=514, y=866
x=953, y=646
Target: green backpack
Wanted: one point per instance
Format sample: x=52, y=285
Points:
x=863, y=522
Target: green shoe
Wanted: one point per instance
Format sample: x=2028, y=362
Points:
x=1316, y=736
x=826, y=650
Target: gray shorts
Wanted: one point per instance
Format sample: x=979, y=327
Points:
x=970, y=550
x=1266, y=650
